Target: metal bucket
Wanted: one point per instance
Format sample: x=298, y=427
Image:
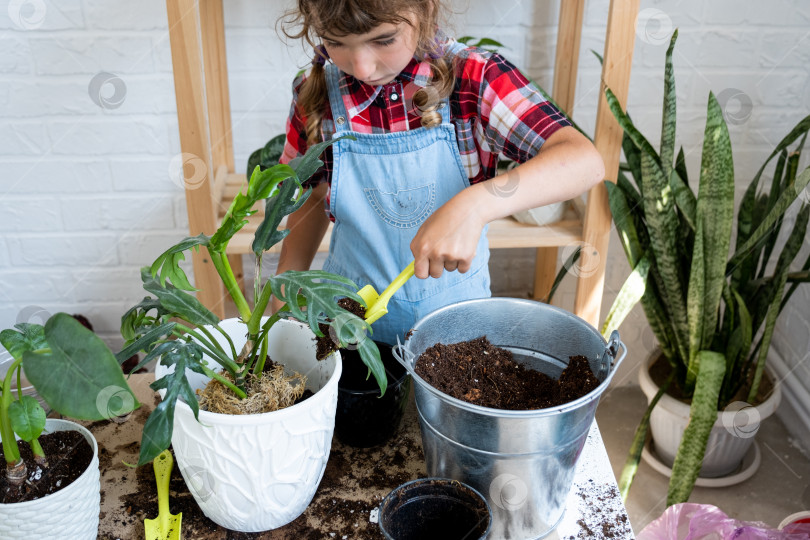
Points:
x=522, y=461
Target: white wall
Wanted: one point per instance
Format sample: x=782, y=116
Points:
x=89, y=131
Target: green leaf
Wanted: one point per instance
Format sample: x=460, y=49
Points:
x=715, y=214
x=630, y=129
x=629, y=295
x=669, y=113
x=321, y=290
x=702, y=416
x=27, y=417
x=26, y=337
x=276, y=208
x=145, y=341
x=168, y=262
x=179, y=303
x=308, y=164
x=78, y=374
x=567, y=264
x=269, y=154
x=157, y=431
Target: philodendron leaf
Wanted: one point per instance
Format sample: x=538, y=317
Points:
x=168, y=262
x=79, y=374
x=178, y=302
x=702, y=416
x=26, y=337
x=145, y=341
x=308, y=164
x=276, y=208
x=321, y=289
x=157, y=431
x=27, y=417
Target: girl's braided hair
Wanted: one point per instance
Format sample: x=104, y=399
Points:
x=313, y=18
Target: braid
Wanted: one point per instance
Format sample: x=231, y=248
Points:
x=312, y=100
x=428, y=99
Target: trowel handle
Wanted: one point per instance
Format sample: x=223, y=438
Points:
x=162, y=465
x=398, y=282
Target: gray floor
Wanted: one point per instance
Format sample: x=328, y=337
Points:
x=780, y=487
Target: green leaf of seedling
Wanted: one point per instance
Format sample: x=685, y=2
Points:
x=321, y=289
x=168, y=262
x=157, y=431
x=78, y=373
x=308, y=164
x=264, y=184
x=268, y=155
x=27, y=417
x=179, y=303
x=136, y=320
x=26, y=337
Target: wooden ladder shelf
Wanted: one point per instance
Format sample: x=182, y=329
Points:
x=197, y=35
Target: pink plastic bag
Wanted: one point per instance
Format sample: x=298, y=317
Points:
x=689, y=521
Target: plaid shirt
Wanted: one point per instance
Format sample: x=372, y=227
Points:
x=495, y=110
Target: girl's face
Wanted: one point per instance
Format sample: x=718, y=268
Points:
x=375, y=57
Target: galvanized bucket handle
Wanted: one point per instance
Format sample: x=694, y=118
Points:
x=403, y=356
x=612, y=351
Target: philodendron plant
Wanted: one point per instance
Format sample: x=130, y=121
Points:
x=175, y=328
x=71, y=369
x=712, y=313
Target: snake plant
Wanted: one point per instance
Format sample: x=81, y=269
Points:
x=175, y=328
x=712, y=312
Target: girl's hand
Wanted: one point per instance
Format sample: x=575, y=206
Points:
x=447, y=240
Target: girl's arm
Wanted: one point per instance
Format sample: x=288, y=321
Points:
x=566, y=166
x=307, y=226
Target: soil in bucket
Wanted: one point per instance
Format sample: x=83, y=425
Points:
x=480, y=373
x=68, y=453
x=434, y=508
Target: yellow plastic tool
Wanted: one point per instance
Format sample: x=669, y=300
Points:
x=166, y=526
x=377, y=304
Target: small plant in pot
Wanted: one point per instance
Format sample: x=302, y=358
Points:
x=55, y=476
x=712, y=312
x=251, y=450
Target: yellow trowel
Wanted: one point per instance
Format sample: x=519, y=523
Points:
x=377, y=304
x=166, y=526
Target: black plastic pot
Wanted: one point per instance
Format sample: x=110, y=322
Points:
x=364, y=418
x=434, y=508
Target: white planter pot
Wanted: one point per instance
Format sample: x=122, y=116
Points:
x=257, y=472
x=72, y=512
x=732, y=434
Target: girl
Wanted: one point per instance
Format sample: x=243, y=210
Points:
x=430, y=117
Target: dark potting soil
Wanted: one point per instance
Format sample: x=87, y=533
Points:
x=68, y=454
x=480, y=373
x=325, y=345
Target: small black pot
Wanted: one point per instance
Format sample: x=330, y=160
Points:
x=434, y=508
x=364, y=418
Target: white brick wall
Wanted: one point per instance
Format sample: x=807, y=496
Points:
x=85, y=193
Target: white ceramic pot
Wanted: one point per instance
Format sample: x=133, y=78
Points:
x=72, y=512
x=731, y=437
x=258, y=472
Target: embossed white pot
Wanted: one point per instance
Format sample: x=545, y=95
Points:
x=732, y=434
x=71, y=512
x=257, y=472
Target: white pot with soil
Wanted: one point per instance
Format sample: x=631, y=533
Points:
x=257, y=472
x=72, y=512
x=731, y=442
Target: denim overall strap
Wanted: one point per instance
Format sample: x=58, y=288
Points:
x=384, y=186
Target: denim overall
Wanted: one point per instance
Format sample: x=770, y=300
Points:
x=384, y=186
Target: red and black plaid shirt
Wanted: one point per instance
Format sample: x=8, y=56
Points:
x=495, y=109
